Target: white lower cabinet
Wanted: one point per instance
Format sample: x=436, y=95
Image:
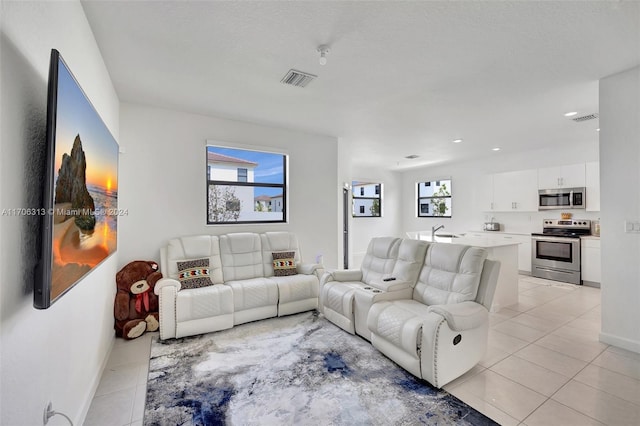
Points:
x=524, y=250
x=590, y=260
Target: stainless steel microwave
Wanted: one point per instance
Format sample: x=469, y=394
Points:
x=562, y=198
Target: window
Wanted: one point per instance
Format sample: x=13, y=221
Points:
x=367, y=199
x=434, y=198
x=245, y=186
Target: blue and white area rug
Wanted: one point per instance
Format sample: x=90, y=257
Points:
x=295, y=370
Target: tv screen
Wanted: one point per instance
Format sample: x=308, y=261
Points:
x=80, y=208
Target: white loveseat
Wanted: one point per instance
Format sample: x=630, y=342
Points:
x=424, y=305
x=244, y=285
x=347, y=295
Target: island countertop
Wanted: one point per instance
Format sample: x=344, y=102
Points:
x=503, y=250
x=484, y=242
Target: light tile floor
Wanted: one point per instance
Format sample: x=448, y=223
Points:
x=544, y=366
x=120, y=397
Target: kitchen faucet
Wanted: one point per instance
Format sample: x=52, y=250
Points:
x=433, y=231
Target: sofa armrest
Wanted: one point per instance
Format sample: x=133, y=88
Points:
x=394, y=285
x=167, y=291
x=343, y=275
x=462, y=316
x=166, y=282
x=310, y=269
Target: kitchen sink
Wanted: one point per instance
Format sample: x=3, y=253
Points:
x=442, y=235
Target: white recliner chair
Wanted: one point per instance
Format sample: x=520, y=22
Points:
x=442, y=331
x=298, y=292
x=197, y=310
x=389, y=271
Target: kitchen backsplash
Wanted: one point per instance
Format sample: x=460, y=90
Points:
x=528, y=222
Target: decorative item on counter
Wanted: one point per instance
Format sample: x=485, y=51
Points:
x=596, y=227
x=565, y=215
x=491, y=226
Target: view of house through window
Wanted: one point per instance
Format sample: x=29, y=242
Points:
x=245, y=186
x=434, y=198
x=367, y=199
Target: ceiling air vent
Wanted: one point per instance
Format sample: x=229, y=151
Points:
x=297, y=78
x=585, y=118
x=412, y=157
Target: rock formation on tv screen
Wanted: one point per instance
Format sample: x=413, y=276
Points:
x=71, y=186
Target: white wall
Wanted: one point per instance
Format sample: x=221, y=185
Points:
x=165, y=170
x=466, y=182
x=620, y=188
x=365, y=228
x=57, y=354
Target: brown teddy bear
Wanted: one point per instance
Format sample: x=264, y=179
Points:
x=136, y=305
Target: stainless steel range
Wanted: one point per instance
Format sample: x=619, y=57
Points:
x=555, y=253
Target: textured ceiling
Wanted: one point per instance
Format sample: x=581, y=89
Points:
x=401, y=78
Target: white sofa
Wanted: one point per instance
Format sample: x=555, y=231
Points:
x=424, y=305
x=432, y=319
x=245, y=287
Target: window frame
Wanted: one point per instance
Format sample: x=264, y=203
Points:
x=426, y=200
x=284, y=186
x=244, y=175
x=377, y=196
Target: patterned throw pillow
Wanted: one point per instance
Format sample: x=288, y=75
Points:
x=194, y=273
x=284, y=263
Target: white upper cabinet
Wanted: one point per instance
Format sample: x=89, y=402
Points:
x=515, y=191
x=592, y=171
x=486, y=193
x=571, y=176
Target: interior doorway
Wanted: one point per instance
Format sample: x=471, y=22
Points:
x=346, y=207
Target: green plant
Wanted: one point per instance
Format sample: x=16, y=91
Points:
x=375, y=208
x=224, y=206
x=439, y=201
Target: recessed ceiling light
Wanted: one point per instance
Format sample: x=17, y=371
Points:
x=412, y=157
x=457, y=141
x=598, y=129
x=495, y=149
x=570, y=114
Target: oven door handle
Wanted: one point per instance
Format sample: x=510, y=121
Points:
x=558, y=239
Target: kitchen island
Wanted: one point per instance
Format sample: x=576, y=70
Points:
x=497, y=249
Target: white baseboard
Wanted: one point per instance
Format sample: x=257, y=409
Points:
x=621, y=342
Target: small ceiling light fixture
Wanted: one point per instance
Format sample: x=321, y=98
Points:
x=457, y=140
x=570, y=114
x=323, y=50
x=495, y=149
x=598, y=129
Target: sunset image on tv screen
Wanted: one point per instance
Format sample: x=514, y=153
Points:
x=86, y=187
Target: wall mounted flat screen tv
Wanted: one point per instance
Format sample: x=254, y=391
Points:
x=80, y=205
